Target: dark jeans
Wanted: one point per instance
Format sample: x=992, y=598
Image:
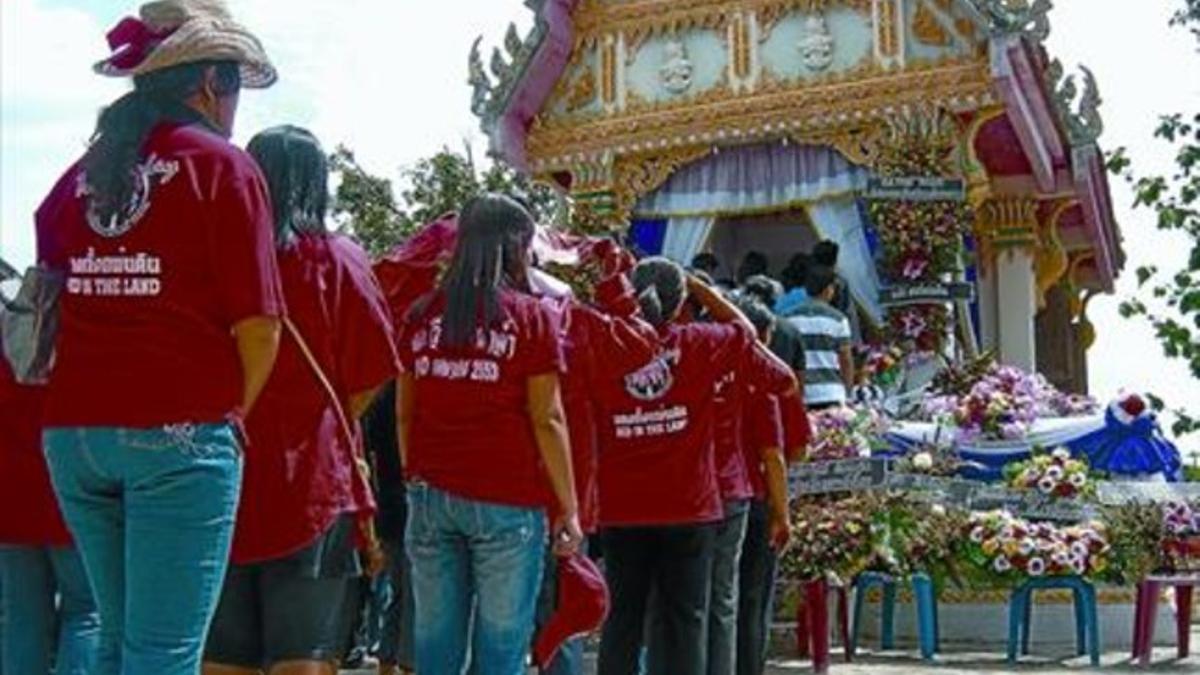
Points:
x=756, y=595
x=674, y=564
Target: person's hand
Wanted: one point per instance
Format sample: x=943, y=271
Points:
x=568, y=536
x=374, y=560
x=610, y=257
x=779, y=530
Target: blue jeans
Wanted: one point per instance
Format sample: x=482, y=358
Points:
x=33, y=578
x=152, y=511
x=462, y=549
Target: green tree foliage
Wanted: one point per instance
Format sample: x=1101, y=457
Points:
x=1170, y=299
x=367, y=207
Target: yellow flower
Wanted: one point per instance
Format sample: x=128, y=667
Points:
x=990, y=546
x=1012, y=547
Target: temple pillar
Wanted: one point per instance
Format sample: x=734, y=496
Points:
x=1016, y=295
x=989, y=328
x=1009, y=226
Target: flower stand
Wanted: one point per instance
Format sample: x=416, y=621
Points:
x=812, y=622
x=1148, y=594
x=927, y=615
x=1020, y=613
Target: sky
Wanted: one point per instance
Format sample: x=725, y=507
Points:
x=388, y=79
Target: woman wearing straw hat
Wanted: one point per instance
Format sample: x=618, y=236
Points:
x=169, y=330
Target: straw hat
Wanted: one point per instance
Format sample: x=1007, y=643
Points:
x=174, y=32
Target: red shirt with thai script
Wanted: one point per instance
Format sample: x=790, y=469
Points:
x=595, y=340
x=657, y=461
x=472, y=434
x=300, y=472
x=762, y=430
x=758, y=370
x=29, y=514
x=150, y=301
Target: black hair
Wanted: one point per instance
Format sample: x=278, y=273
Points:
x=819, y=279
x=706, y=262
x=491, y=253
x=826, y=253
x=762, y=288
x=758, y=314
x=753, y=263
x=661, y=289
x=123, y=127
x=796, y=272
x=297, y=173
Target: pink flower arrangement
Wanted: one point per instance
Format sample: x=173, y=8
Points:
x=844, y=433
x=1180, y=519
x=1002, y=404
x=1053, y=474
x=1015, y=549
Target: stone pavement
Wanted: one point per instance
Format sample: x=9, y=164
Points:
x=902, y=663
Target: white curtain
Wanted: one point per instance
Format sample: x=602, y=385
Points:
x=839, y=221
x=686, y=235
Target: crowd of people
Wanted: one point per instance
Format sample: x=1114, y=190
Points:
x=240, y=424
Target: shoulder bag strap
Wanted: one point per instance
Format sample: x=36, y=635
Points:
x=362, y=470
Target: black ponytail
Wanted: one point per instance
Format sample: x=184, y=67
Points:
x=124, y=126
x=661, y=290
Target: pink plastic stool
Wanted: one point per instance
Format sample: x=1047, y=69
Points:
x=1145, y=613
x=812, y=622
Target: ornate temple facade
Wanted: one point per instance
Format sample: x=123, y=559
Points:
x=735, y=125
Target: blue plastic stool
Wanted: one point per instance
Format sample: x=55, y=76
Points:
x=1020, y=614
x=928, y=636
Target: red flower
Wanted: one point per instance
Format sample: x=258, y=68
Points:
x=1133, y=405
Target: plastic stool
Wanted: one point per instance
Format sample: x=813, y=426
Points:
x=1020, y=614
x=812, y=622
x=924, y=595
x=1146, y=611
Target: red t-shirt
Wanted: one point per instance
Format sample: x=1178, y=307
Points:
x=146, y=316
x=299, y=475
x=29, y=514
x=758, y=370
x=796, y=429
x=595, y=339
x=763, y=429
x=472, y=435
x=657, y=463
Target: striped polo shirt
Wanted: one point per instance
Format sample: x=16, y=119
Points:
x=824, y=331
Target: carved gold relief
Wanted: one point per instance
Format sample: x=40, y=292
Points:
x=859, y=146
x=739, y=47
x=776, y=109
x=1050, y=259
x=583, y=91
x=965, y=28
x=927, y=28
x=979, y=184
x=608, y=70
x=639, y=19
x=889, y=43
x=638, y=175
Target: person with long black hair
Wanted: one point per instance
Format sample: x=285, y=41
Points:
x=485, y=446
x=169, y=330
x=305, y=503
